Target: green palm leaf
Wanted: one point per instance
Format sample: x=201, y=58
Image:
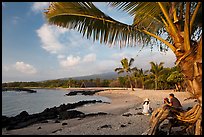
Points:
x=146, y=14
x=118, y=69
x=131, y=62
x=91, y=22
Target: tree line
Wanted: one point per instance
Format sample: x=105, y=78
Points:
x=158, y=77
x=59, y=83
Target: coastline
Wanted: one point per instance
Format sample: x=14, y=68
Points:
x=115, y=123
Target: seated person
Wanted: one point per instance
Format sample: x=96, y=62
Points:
x=174, y=102
x=146, y=108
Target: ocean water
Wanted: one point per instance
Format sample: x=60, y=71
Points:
x=15, y=102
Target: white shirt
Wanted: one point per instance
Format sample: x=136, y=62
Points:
x=145, y=108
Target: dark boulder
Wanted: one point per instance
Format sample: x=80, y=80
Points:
x=18, y=125
x=83, y=92
x=95, y=114
x=64, y=124
x=57, y=121
x=106, y=126
x=70, y=114
x=4, y=121
x=123, y=125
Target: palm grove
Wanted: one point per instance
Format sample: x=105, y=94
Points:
x=181, y=22
x=158, y=77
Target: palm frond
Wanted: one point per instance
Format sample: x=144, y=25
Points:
x=152, y=64
x=121, y=71
x=93, y=23
x=118, y=69
x=135, y=69
x=124, y=63
x=131, y=62
x=161, y=63
x=146, y=14
x=146, y=71
x=128, y=7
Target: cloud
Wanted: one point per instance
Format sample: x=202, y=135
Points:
x=89, y=58
x=49, y=36
x=39, y=6
x=70, y=61
x=61, y=56
x=25, y=68
x=145, y=57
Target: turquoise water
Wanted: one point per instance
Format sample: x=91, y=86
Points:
x=15, y=102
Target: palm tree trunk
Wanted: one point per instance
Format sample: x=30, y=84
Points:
x=135, y=83
x=191, y=67
x=155, y=83
x=176, y=87
x=143, y=84
x=131, y=86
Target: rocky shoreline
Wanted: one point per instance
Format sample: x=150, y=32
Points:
x=83, y=92
x=19, y=90
x=57, y=113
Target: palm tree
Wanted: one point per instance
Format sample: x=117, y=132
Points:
x=156, y=70
x=181, y=22
x=136, y=76
x=176, y=77
x=126, y=67
x=140, y=75
x=162, y=79
x=123, y=81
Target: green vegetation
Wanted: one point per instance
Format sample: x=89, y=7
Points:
x=58, y=83
x=158, y=77
x=126, y=67
x=156, y=71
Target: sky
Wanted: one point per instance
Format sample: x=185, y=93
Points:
x=32, y=50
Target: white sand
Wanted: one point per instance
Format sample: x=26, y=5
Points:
x=123, y=101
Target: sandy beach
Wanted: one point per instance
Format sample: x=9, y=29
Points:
x=122, y=117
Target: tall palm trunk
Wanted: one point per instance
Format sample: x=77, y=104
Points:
x=155, y=83
x=135, y=83
x=131, y=86
x=177, y=89
x=192, y=70
x=191, y=67
x=143, y=84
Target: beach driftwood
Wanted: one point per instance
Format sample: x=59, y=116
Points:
x=189, y=120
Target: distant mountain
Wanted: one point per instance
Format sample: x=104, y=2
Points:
x=102, y=76
x=108, y=76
